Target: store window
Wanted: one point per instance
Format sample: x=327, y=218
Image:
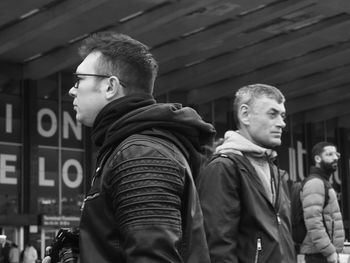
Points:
x=59, y=140
x=10, y=145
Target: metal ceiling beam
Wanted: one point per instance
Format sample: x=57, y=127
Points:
x=320, y=99
x=314, y=83
x=280, y=71
x=44, y=23
x=62, y=58
x=248, y=59
x=242, y=52
x=11, y=10
x=231, y=32
x=326, y=113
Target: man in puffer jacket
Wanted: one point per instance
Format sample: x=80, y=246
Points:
x=324, y=224
x=244, y=202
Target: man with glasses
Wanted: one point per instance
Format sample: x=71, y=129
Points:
x=323, y=220
x=143, y=205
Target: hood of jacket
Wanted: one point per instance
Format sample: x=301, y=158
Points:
x=139, y=112
x=234, y=142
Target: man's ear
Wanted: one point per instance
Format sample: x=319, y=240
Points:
x=114, y=89
x=317, y=159
x=244, y=114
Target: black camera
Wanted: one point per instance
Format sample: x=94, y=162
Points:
x=65, y=246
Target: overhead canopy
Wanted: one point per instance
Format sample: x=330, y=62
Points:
x=207, y=49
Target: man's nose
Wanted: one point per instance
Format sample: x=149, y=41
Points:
x=72, y=92
x=281, y=123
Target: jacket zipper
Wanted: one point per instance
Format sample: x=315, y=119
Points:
x=95, y=175
x=332, y=237
x=258, y=249
x=89, y=197
x=278, y=218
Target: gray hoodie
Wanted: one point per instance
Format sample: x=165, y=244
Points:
x=258, y=156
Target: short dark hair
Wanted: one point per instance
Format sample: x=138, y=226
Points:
x=247, y=95
x=319, y=148
x=123, y=57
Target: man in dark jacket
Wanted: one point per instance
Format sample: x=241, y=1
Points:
x=142, y=206
x=245, y=206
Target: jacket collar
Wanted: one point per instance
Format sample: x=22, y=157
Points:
x=320, y=171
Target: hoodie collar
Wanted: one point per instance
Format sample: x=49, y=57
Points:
x=234, y=142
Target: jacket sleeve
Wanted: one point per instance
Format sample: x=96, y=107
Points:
x=146, y=190
x=219, y=195
x=313, y=197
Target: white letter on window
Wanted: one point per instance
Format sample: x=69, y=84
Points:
x=69, y=122
x=51, y=131
x=79, y=175
x=5, y=168
x=42, y=180
x=8, y=118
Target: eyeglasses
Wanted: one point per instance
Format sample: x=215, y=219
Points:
x=76, y=78
x=331, y=154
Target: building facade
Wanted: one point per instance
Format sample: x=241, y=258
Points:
x=46, y=157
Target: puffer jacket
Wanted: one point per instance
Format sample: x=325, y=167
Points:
x=241, y=222
x=318, y=238
x=134, y=211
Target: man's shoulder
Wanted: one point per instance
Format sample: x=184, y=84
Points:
x=140, y=145
x=232, y=158
x=142, y=140
x=315, y=180
x=231, y=161
x=312, y=185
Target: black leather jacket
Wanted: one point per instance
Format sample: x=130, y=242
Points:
x=242, y=224
x=142, y=207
